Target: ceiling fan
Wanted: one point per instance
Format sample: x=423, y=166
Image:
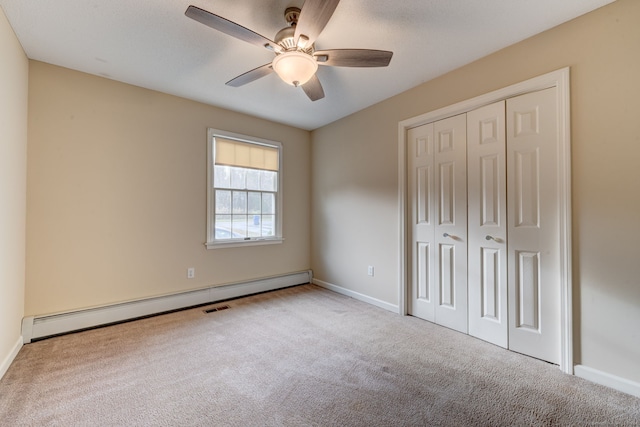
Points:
x=296, y=60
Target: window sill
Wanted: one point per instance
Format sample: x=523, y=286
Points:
x=242, y=243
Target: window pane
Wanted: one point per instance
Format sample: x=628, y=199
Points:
x=223, y=227
x=239, y=202
x=255, y=203
x=269, y=181
x=268, y=225
x=223, y=202
x=254, y=225
x=268, y=203
x=239, y=225
x=238, y=178
x=253, y=179
x=222, y=176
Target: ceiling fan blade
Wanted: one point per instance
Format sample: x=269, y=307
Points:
x=250, y=76
x=229, y=27
x=353, y=57
x=313, y=88
x=313, y=18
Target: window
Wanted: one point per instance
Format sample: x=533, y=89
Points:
x=244, y=198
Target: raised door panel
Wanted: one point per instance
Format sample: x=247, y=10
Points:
x=450, y=270
x=487, y=282
x=423, y=190
x=527, y=288
x=534, y=241
x=490, y=284
x=421, y=196
x=526, y=165
x=447, y=284
x=423, y=273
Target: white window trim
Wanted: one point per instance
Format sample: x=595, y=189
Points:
x=211, y=243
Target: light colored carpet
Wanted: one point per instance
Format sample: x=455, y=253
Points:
x=302, y=356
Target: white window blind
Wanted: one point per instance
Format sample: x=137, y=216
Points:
x=245, y=155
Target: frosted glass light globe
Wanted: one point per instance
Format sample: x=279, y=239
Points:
x=295, y=68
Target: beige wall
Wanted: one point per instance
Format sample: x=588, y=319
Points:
x=354, y=163
x=14, y=73
x=117, y=194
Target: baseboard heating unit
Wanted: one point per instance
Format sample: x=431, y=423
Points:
x=37, y=327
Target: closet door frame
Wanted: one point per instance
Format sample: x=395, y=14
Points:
x=560, y=80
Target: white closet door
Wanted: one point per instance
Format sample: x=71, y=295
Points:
x=533, y=225
x=438, y=217
x=486, y=177
x=421, y=199
x=450, y=269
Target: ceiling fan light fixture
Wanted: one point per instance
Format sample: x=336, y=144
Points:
x=295, y=68
x=296, y=60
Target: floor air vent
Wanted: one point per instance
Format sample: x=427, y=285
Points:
x=214, y=309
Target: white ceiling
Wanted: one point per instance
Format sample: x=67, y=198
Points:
x=152, y=44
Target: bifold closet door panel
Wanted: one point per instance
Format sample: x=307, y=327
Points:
x=533, y=225
x=487, y=219
x=450, y=267
x=420, y=161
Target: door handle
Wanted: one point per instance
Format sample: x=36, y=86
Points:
x=451, y=236
x=495, y=239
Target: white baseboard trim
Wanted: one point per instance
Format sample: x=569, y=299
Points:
x=4, y=366
x=618, y=383
x=356, y=295
x=44, y=326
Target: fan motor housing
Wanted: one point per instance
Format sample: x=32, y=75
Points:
x=286, y=36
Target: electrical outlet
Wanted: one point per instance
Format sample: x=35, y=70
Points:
x=370, y=270
x=191, y=273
